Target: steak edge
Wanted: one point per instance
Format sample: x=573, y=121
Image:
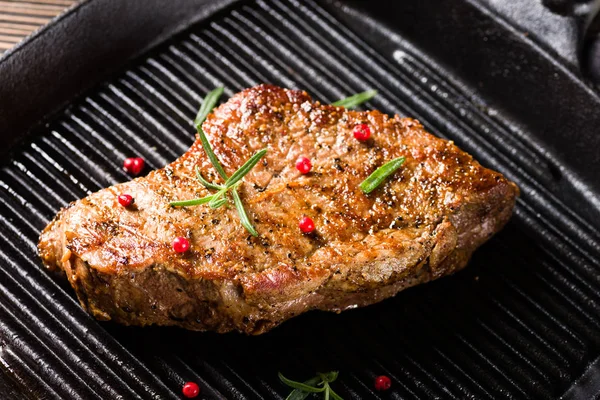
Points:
x=422, y=223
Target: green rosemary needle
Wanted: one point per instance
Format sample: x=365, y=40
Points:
x=380, y=174
x=318, y=384
x=208, y=104
x=356, y=100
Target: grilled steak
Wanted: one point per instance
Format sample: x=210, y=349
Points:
x=422, y=223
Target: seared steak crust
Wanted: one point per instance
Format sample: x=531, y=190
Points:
x=424, y=222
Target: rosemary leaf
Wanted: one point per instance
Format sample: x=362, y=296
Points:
x=206, y=183
x=299, y=385
x=298, y=394
x=218, y=199
x=246, y=223
x=244, y=169
x=211, y=155
x=217, y=203
x=192, y=202
x=380, y=174
x=356, y=100
x=208, y=104
x=334, y=394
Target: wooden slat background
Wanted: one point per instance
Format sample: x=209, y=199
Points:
x=18, y=18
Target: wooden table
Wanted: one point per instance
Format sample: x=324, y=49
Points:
x=19, y=18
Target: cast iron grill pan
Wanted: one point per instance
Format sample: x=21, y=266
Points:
x=521, y=321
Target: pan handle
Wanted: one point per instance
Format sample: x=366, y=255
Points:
x=560, y=25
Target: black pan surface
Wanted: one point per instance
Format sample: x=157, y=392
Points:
x=117, y=79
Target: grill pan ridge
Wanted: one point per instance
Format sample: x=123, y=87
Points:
x=520, y=322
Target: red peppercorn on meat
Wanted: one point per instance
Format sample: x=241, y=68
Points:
x=423, y=222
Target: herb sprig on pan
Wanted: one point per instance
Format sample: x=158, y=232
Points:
x=380, y=174
x=356, y=100
x=318, y=384
x=231, y=183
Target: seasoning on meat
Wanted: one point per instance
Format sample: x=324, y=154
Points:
x=423, y=222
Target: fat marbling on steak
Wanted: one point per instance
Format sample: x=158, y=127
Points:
x=422, y=223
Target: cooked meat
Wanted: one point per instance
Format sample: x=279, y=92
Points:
x=422, y=223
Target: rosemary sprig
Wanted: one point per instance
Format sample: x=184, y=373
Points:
x=232, y=183
x=209, y=152
x=303, y=389
x=193, y=202
x=356, y=100
x=244, y=169
x=208, y=104
x=242, y=213
x=380, y=174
